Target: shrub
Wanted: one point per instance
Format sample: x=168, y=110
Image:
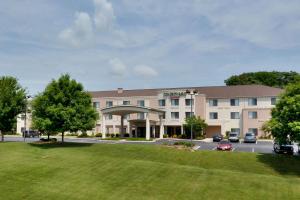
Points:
x=72, y=134
x=183, y=136
x=165, y=136
x=83, y=135
x=179, y=136
x=126, y=135
x=201, y=137
x=117, y=135
x=174, y=136
x=98, y=135
x=187, y=144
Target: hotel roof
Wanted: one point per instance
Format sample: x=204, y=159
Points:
x=209, y=92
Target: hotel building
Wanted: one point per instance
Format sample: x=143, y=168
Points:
x=154, y=112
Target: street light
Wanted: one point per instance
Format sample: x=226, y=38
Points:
x=193, y=92
x=25, y=122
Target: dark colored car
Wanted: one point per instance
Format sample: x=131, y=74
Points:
x=283, y=148
x=31, y=133
x=224, y=145
x=250, y=137
x=217, y=137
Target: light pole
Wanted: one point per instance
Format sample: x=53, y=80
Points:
x=25, y=122
x=194, y=92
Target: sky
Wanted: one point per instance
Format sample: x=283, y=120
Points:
x=106, y=44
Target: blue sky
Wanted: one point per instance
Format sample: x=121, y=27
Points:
x=107, y=44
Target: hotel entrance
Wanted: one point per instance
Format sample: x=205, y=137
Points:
x=174, y=130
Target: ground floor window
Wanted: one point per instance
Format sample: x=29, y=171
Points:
x=253, y=130
x=236, y=130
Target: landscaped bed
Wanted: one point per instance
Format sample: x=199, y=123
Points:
x=123, y=171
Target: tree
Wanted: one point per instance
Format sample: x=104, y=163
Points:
x=198, y=126
x=12, y=103
x=285, y=122
x=64, y=106
x=273, y=79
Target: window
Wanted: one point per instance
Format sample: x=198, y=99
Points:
x=174, y=102
x=234, y=102
x=252, y=101
x=126, y=102
x=96, y=104
x=252, y=115
x=213, y=102
x=109, y=104
x=213, y=115
x=236, y=130
x=141, y=115
x=188, y=114
x=235, y=115
x=188, y=102
x=108, y=117
x=253, y=130
x=273, y=101
x=141, y=103
x=174, y=115
x=127, y=116
x=162, y=102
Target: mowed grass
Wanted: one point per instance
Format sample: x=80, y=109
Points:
x=119, y=171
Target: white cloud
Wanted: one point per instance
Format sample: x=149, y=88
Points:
x=80, y=33
x=104, y=15
x=145, y=71
x=118, y=68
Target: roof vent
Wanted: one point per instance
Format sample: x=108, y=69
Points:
x=120, y=90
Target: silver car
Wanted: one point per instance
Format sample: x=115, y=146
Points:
x=234, y=137
x=250, y=137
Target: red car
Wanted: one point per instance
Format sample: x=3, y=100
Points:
x=224, y=146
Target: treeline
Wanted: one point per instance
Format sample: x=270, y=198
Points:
x=273, y=79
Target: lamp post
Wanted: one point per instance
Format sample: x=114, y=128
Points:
x=25, y=122
x=191, y=93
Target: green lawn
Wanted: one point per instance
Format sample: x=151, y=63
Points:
x=119, y=171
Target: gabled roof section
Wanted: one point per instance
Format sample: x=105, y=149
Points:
x=210, y=91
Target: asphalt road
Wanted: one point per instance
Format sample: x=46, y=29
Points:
x=259, y=147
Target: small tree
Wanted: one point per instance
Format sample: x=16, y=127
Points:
x=12, y=103
x=63, y=107
x=285, y=122
x=198, y=126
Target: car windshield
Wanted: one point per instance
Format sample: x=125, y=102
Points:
x=249, y=134
x=217, y=135
x=232, y=134
x=224, y=142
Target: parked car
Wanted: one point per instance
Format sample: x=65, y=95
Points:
x=217, y=137
x=250, y=137
x=286, y=147
x=234, y=137
x=31, y=133
x=224, y=145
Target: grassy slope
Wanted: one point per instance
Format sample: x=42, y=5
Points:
x=142, y=172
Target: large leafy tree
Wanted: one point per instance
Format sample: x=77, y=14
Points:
x=198, y=125
x=273, y=79
x=285, y=122
x=12, y=103
x=64, y=106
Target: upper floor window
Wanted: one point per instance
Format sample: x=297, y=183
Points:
x=273, y=101
x=235, y=115
x=141, y=103
x=213, y=115
x=234, y=102
x=213, y=102
x=252, y=101
x=252, y=115
x=174, y=102
x=126, y=102
x=174, y=115
x=96, y=104
x=189, y=114
x=162, y=102
x=189, y=102
x=109, y=104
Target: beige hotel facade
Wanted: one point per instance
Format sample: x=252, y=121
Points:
x=155, y=112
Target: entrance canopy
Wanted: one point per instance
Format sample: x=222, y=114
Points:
x=130, y=109
x=123, y=110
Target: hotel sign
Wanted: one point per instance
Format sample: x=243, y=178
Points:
x=174, y=94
